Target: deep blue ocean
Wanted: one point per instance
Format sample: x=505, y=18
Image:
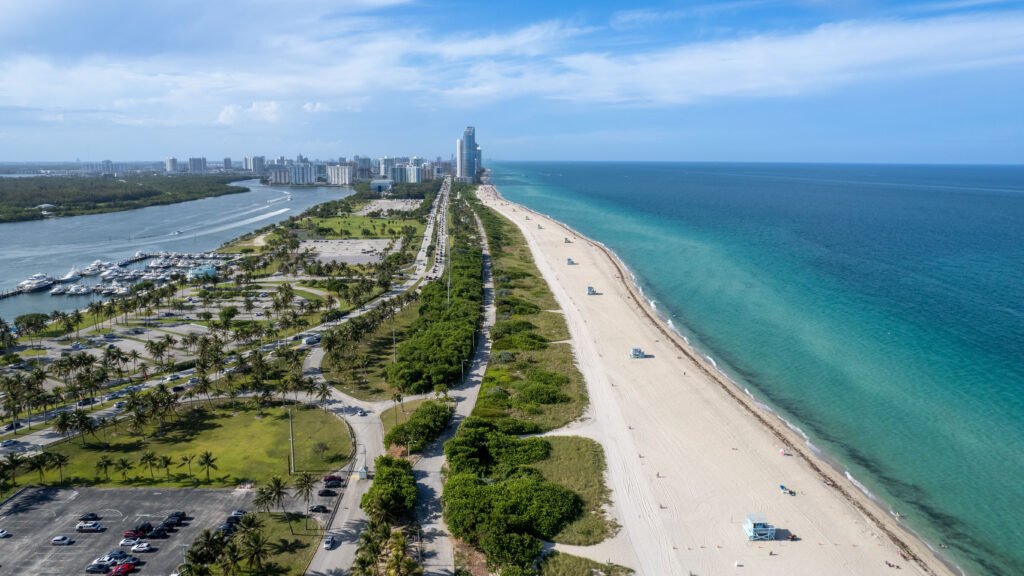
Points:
x=878, y=308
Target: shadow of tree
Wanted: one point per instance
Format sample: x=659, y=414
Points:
x=285, y=546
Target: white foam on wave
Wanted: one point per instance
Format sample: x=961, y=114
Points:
x=858, y=485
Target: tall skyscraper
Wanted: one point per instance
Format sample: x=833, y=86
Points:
x=258, y=165
x=467, y=156
x=227, y=163
x=459, y=170
x=171, y=165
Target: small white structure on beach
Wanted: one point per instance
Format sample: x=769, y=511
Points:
x=567, y=241
x=637, y=353
x=757, y=527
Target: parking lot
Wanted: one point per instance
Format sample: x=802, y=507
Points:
x=37, y=515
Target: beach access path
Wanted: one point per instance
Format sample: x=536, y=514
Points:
x=688, y=457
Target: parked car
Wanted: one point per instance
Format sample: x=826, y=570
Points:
x=332, y=477
x=121, y=569
x=88, y=527
x=61, y=541
x=4, y=534
x=326, y=492
x=131, y=534
x=328, y=542
x=144, y=527
x=157, y=533
x=89, y=517
x=7, y=443
x=129, y=541
x=319, y=508
x=333, y=484
x=238, y=513
x=142, y=547
x=95, y=568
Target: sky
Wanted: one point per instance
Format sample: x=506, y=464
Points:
x=935, y=81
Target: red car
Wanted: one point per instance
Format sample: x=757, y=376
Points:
x=121, y=569
x=132, y=534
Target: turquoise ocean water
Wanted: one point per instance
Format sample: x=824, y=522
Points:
x=878, y=308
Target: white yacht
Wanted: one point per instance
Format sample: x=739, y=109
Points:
x=71, y=276
x=35, y=283
x=58, y=290
x=79, y=290
x=93, y=269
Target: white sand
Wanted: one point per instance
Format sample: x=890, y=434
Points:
x=690, y=456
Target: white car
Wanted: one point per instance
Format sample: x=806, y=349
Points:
x=129, y=542
x=60, y=541
x=5, y=534
x=142, y=547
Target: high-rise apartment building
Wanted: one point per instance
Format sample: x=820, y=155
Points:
x=171, y=165
x=468, y=156
x=197, y=165
x=227, y=163
x=340, y=175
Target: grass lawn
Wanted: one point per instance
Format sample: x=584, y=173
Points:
x=292, y=546
x=363, y=226
x=247, y=447
x=558, y=564
x=404, y=411
x=378, y=351
x=578, y=464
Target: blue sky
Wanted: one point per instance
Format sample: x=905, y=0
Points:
x=746, y=80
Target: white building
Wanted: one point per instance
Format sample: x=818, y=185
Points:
x=303, y=174
x=279, y=175
x=171, y=164
x=340, y=175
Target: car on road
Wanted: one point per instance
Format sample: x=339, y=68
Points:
x=61, y=541
x=326, y=492
x=328, y=542
x=193, y=380
x=237, y=513
x=88, y=527
x=129, y=541
x=4, y=534
x=7, y=443
x=121, y=569
x=178, y=388
x=12, y=426
x=172, y=377
x=319, y=508
x=333, y=484
x=89, y=517
x=362, y=412
x=142, y=547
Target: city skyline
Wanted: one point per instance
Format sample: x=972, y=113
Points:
x=752, y=80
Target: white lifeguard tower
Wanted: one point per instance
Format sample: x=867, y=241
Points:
x=567, y=241
x=757, y=527
x=570, y=262
x=637, y=353
x=591, y=291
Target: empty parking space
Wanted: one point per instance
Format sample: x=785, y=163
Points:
x=37, y=515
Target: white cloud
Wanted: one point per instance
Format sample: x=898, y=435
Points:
x=263, y=111
x=314, y=107
x=824, y=58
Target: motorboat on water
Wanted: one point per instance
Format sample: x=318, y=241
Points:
x=93, y=269
x=35, y=282
x=71, y=276
x=58, y=290
x=79, y=290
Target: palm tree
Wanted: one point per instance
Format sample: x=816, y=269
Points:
x=149, y=460
x=123, y=465
x=278, y=489
x=165, y=461
x=250, y=522
x=38, y=463
x=206, y=462
x=186, y=460
x=104, y=464
x=262, y=500
x=230, y=559
x=257, y=549
x=399, y=563
x=13, y=460
x=59, y=461
x=305, y=484
x=397, y=398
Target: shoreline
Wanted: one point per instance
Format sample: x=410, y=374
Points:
x=911, y=546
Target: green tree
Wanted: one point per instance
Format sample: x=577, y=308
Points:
x=207, y=461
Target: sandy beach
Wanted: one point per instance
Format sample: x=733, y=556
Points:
x=689, y=454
